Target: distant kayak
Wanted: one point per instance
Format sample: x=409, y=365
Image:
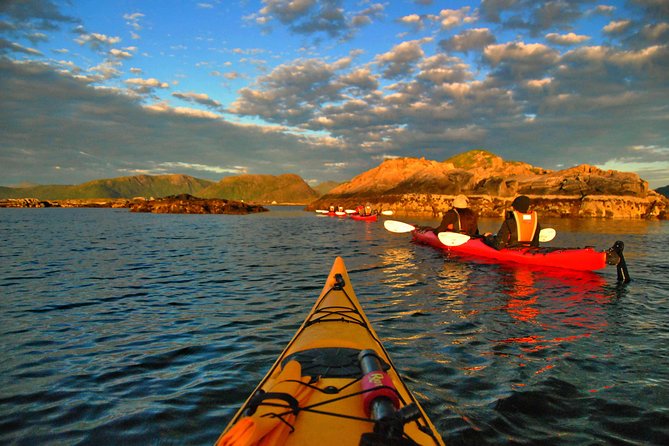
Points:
x=334, y=384
x=372, y=217
x=583, y=259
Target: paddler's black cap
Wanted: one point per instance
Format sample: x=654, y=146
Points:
x=521, y=203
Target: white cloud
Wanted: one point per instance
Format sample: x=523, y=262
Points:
x=97, y=40
x=133, y=21
x=398, y=61
x=162, y=107
x=199, y=98
x=337, y=165
x=450, y=18
x=237, y=170
x=566, y=39
x=120, y=54
x=412, y=20
x=617, y=26
x=145, y=85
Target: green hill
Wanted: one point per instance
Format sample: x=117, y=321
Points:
x=122, y=187
x=664, y=190
x=483, y=159
x=287, y=188
x=324, y=188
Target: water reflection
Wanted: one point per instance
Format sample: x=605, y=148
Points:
x=399, y=267
x=454, y=287
x=551, y=309
x=522, y=295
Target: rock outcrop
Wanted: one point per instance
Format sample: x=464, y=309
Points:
x=187, y=204
x=419, y=186
x=73, y=203
x=23, y=203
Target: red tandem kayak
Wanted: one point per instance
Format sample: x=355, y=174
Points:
x=583, y=259
x=372, y=217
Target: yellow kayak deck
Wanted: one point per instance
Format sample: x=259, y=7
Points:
x=314, y=393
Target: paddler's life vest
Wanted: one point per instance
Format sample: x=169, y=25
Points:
x=467, y=222
x=526, y=225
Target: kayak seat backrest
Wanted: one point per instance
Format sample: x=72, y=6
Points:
x=330, y=362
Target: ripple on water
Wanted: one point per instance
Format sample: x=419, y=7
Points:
x=123, y=328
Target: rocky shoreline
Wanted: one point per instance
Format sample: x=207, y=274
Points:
x=73, y=203
x=178, y=204
x=653, y=206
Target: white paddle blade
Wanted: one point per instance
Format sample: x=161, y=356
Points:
x=387, y=212
x=397, y=227
x=351, y=211
x=547, y=234
x=321, y=211
x=453, y=238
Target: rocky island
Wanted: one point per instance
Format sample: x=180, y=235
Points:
x=188, y=204
x=424, y=187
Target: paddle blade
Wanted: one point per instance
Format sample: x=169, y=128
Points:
x=321, y=211
x=387, y=212
x=351, y=211
x=547, y=234
x=453, y=238
x=398, y=227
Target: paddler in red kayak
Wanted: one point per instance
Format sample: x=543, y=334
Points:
x=459, y=218
x=521, y=227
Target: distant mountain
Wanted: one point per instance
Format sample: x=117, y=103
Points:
x=286, y=188
x=664, y=190
x=122, y=187
x=324, y=188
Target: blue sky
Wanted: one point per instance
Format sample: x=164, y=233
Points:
x=328, y=89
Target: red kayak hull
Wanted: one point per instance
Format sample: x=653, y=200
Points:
x=373, y=217
x=582, y=259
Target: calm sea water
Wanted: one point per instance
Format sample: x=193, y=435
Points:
x=124, y=328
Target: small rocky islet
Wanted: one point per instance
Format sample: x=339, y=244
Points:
x=175, y=204
x=188, y=204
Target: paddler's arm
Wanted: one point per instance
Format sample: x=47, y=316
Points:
x=535, y=239
x=447, y=222
x=503, y=235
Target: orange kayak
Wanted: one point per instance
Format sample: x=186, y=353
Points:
x=334, y=384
